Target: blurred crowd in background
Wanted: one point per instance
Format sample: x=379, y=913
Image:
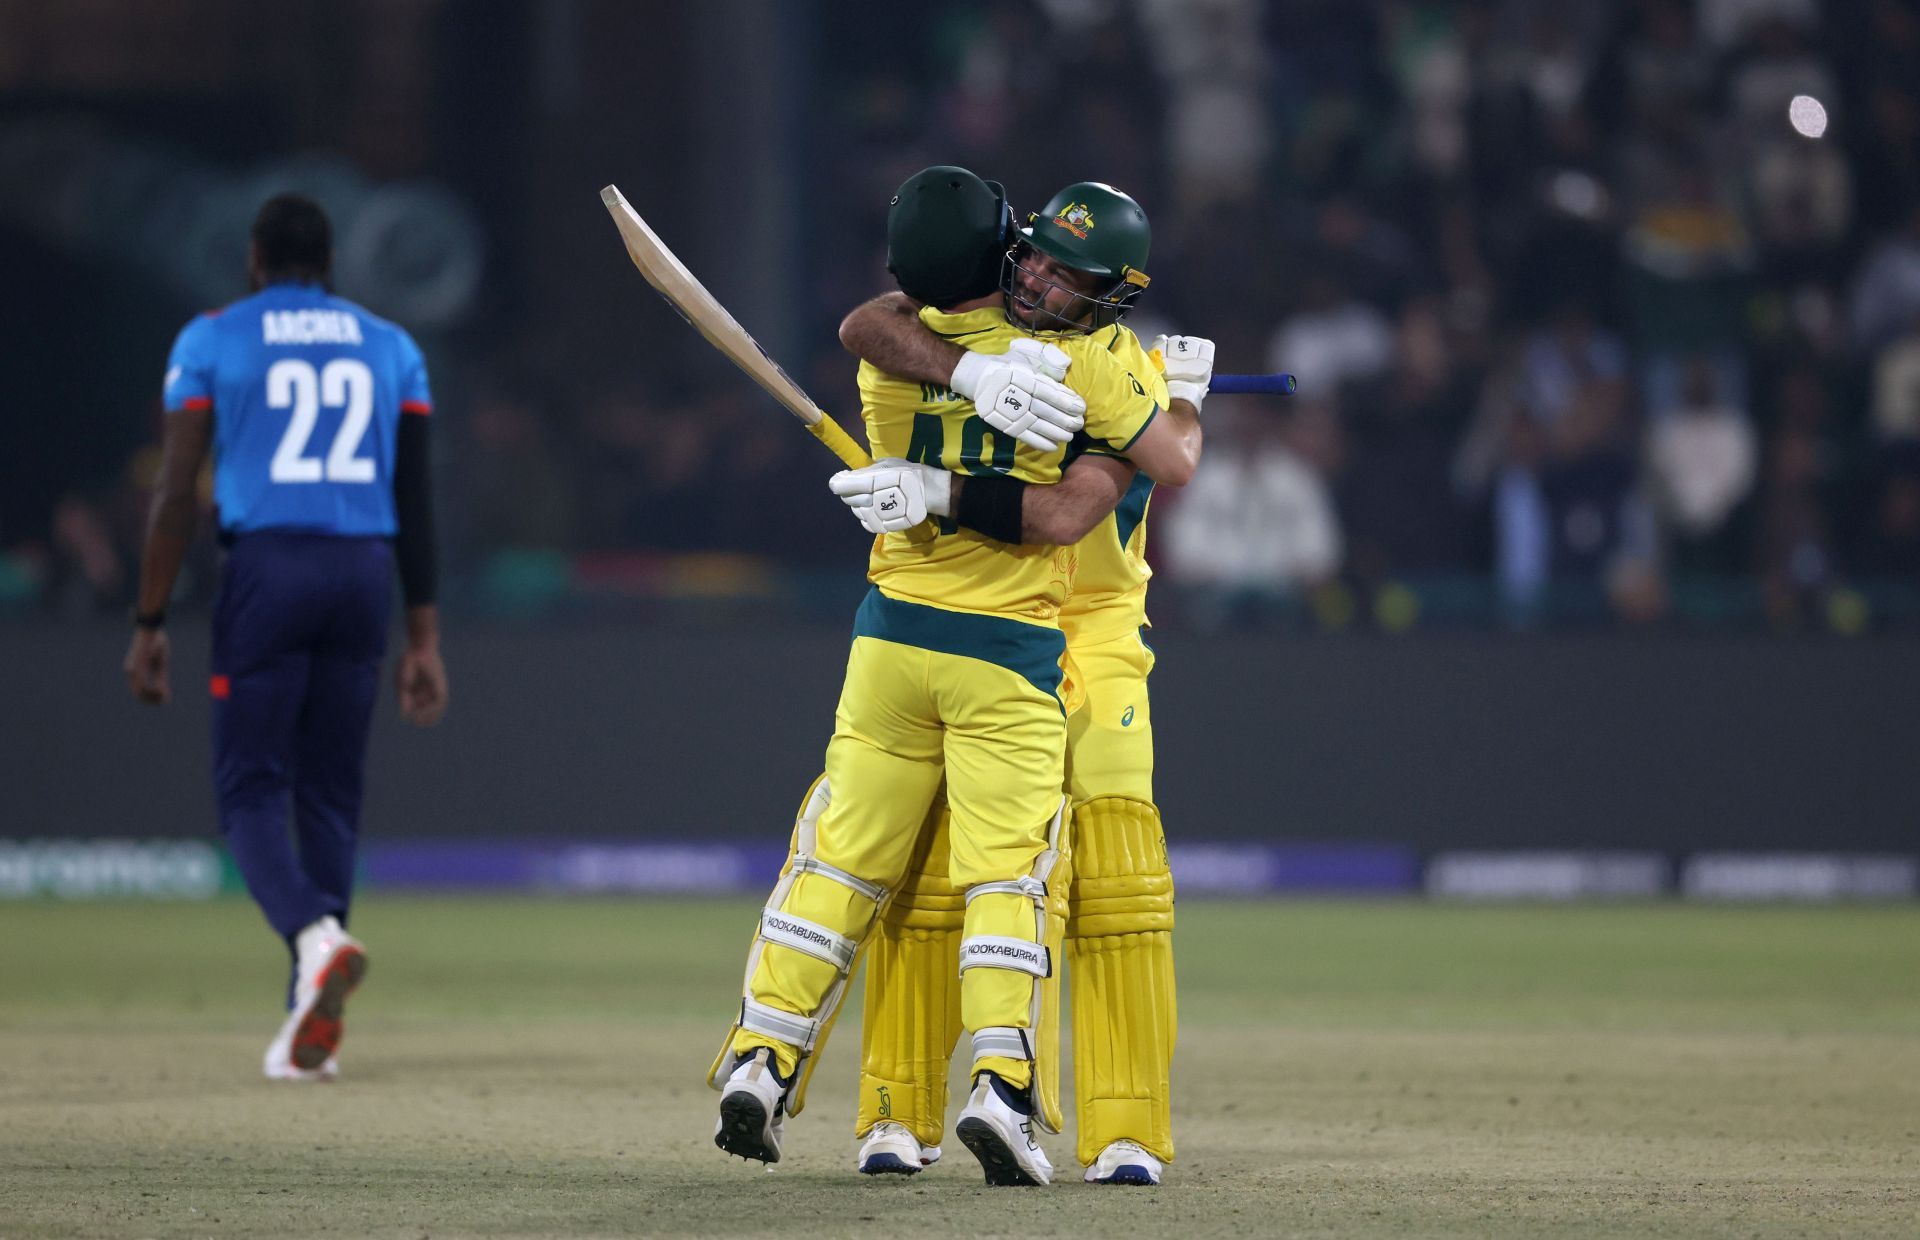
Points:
x=1603, y=313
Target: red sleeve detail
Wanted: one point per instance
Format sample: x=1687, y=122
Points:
x=220, y=686
x=196, y=402
x=420, y=407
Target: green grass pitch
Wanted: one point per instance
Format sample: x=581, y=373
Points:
x=534, y=1068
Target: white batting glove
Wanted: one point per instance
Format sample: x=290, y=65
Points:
x=1189, y=367
x=893, y=495
x=1019, y=393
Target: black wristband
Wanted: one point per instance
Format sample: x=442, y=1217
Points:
x=990, y=504
x=150, y=619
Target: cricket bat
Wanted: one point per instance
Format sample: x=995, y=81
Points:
x=1256, y=385
x=671, y=279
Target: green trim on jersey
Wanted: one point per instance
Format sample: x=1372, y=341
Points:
x=1143, y=428
x=1132, y=508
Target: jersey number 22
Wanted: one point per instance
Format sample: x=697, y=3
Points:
x=344, y=382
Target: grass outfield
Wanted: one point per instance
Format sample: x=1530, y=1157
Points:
x=535, y=1068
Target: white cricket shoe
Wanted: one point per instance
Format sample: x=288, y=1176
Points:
x=753, y=1109
x=890, y=1149
x=331, y=964
x=327, y=1072
x=1125, y=1162
x=997, y=1125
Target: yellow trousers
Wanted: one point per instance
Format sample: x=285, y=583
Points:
x=931, y=694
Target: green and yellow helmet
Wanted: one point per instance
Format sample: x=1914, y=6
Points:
x=947, y=233
x=1092, y=228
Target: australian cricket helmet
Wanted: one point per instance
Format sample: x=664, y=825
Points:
x=947, y=233
x=1097, y=229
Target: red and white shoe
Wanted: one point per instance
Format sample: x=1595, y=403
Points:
x=331, y=964
x=325, y=1074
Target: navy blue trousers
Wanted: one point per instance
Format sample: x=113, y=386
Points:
x=299, y=632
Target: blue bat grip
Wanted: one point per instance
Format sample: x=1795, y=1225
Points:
x=1269, y=385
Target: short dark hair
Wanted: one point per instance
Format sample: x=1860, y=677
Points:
x=293, y=236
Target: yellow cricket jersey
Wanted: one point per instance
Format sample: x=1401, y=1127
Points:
x=1108, y=594
x=958, y=569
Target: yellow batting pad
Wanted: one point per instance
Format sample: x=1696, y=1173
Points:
x=1120, y=950
x=1011, y=959
x=908, y=1031
x=1000, y=996
x=1123, y=1034
x=912, y=1017
x=1121, y=883
x=812, y=934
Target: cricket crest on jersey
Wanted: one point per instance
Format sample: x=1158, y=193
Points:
x=309, y=327
x=1076, y=219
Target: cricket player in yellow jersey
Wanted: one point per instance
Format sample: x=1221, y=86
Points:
x=1121, y=905
x=954, y=673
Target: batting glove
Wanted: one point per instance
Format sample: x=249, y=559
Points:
x=1019, y=393
x=893, y=495
x=1189, y=367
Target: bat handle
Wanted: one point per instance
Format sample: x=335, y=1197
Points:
x=838, y=442
x=1270, y=385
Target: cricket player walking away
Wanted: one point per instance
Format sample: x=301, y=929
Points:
x=316, y=413
x=1120, y=901
x=955, y=672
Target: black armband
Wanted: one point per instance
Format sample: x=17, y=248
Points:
x=990, y=504
x=150, y=619
x=413, y=540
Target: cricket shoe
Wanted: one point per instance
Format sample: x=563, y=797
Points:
x=890, y=1149
x=753, y=1109
x=997, y=1125
x=1125, y=1162
x=331, y=963
x=326, y=1073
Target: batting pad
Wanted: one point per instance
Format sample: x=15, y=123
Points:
x=809, y=942
x=912, y=1016
x=1120, y=950
x=1009, y=974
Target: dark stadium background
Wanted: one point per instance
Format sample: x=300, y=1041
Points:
x=1594, y=531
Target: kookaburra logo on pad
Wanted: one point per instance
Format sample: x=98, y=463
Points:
x=1004, y=949
x=805, y=932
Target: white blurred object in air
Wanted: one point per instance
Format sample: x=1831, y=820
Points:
x=1808, y=116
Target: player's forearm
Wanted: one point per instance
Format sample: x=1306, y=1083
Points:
x=423, y=627
x=1066, y=512
x=1186, y=419
x=1169, y=451
x=170, y=525
x=887, y=334
x=1058, y=515
x=1059, y=520
x=183, y=447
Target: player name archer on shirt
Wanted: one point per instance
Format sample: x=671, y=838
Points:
x=309, y=327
